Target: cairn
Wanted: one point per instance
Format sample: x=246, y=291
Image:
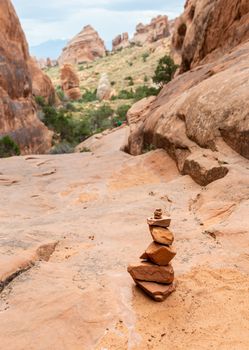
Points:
x=155, y=275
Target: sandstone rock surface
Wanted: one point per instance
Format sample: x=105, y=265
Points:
x=70, y=82
x=156, y=30
x=41, y=83
x=208, y=29
x=146, y=271
x=86, y=46
x=196, y=110
x=18, y=116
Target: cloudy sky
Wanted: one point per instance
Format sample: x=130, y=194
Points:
x=44, y=20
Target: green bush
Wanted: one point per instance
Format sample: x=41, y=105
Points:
x=145, y=55
x=144, y=91
x=8, y=147
x=89, y=96
x=121, y=112
x=62, y=148
x=68, y=129
x=125, y=95
x=70, y=107
x=101, y=118
x=165, y=71
x=60, y=93
x=40, y=101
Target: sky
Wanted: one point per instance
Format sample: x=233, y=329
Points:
x=44, y=20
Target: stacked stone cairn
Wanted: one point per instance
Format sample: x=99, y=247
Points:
x=155, y=275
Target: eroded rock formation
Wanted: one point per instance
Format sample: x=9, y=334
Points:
x=121, y=42
x=18, y=116
x=204, y=105
x=41, y=83
x=70, y=82
x=104, y=91
x=208, y=29
x=156, y=30
x=84, y=47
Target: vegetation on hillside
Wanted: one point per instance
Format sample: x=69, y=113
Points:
x=8, y=147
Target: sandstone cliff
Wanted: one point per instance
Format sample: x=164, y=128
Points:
x=209, y=28
x=17, y=109
x=156, y=30
x=84, y=47
x=41, y=83
x=199, y=110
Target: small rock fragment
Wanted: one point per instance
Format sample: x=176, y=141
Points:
x=159, y=292
x=159, y=254
x=152, y=273
x=164, y=221
x=162, y=235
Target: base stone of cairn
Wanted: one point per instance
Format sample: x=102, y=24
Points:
x=155, y=275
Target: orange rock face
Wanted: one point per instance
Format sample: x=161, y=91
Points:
x=208, y=29
x=204, y=106
x=70, y=82
x=156, y=30
x=18, y=116
x=159, y=254
x=41, y=83
x=86, y=46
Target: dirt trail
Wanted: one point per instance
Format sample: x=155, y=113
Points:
x=95, y=205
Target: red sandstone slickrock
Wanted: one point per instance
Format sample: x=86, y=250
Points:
x=155, y=275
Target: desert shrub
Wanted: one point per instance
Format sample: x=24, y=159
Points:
x=81, y=68
x=125, y=95
x=40, y=101
x=62, y=148
x=101, y=118
x=68, y=129
x=121, y=112
x=70, y=107
x=113, y=83
x=8, y=147
x=144, y=91
x=146, y=79
x=165, y=71
x=60, y=93
x=145, y=55
x=89, y=96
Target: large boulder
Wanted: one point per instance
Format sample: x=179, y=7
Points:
x=86, y=46
x=70, y=82
x=199, y=108
x=209, y=28
x=104, y=91
x=18, y=116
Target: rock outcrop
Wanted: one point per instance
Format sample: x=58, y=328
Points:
x=202, y=106
x=86, y=46
x=208, y=29
x=41, y=83
x=70, y=82
x=18, y=116
x=104, y=91
x=120, y=42
x=156, y=30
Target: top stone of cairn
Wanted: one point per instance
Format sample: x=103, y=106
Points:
x=159, y=219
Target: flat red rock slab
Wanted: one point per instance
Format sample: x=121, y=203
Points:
x=158, y=292
x=159, y=254
x=149, y=272
x=163, y=222
x=162, y=235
